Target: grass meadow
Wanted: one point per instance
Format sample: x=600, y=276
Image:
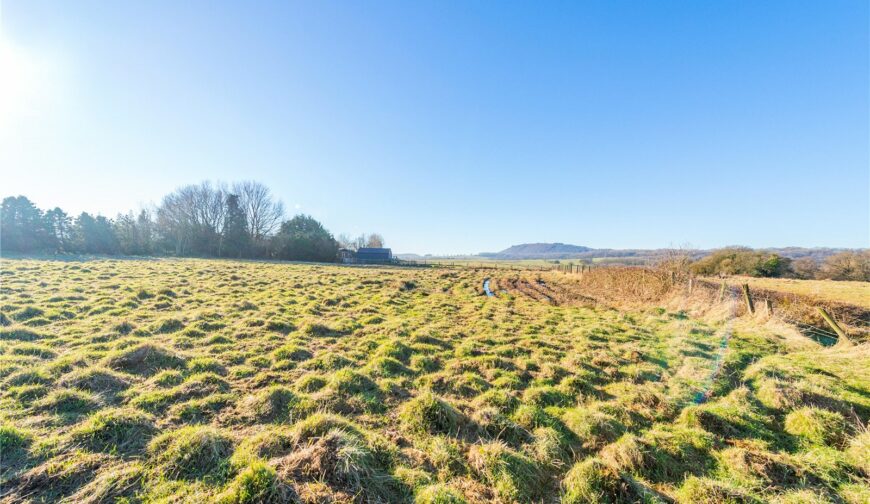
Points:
x=231, y=381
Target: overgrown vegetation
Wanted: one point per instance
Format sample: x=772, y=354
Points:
x=190, y=380
x=849, y=265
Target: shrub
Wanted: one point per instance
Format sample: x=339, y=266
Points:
x=816, y=425
x=118, y=430
x=742, y=261
x=192, y=452
x=847, y=266
x=513, y=476
x=429, y=414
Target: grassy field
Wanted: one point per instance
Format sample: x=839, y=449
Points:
x=855, y=293
x=222, y=381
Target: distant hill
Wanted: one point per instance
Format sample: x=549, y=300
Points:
x=540, y=250
x=553, y=251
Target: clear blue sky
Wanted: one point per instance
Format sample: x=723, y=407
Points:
x=455, y=127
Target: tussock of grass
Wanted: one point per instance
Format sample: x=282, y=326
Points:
x=858, y=452
x=274, y=404
x=115, y=431
x=14, y=443
x=438, y=494
x=272, y=442
x=145, y=358
x=67, y=402
x=697, y=490
x=429, y=414
x=513, y=476
x=593, y=481
x=256, y=484
x=817, y=425
x=593, y=428
x=672, y=452
x=119, y=483
x=191, y=453
x=344, y=460
x=97, y=380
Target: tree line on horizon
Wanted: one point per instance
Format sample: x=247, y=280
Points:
x=848, y=265
x=242, y=220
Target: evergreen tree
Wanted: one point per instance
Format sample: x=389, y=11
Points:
x=235, y=237
x=304, y=239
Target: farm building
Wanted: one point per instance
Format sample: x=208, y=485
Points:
x=366, y=256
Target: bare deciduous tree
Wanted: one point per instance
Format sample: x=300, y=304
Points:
x=262, y=212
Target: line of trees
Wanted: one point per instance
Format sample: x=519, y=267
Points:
x=242, y=220
x=848, y=265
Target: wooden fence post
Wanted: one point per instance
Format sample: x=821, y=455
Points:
x=748, y=297
x=722, y=288
x=691, y=284
x=769, y=305
x=835, y=326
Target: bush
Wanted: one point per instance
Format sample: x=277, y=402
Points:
x=742, y=261
x=847, y=266
x=816, y=425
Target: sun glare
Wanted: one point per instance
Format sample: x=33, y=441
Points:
x=25, y=83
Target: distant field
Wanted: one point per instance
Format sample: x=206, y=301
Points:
x=225, y=381
x=856, y=293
